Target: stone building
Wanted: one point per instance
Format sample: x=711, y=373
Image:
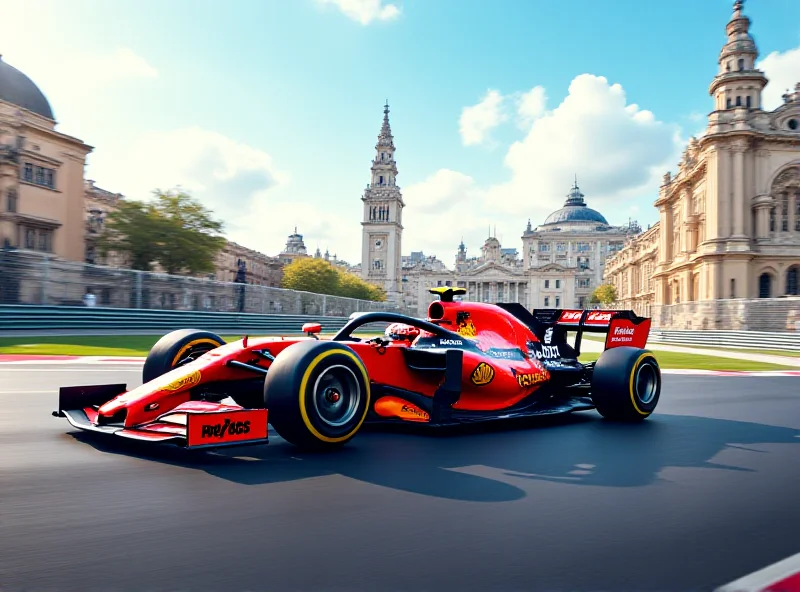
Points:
x=382, y=225
x=561, y=264
x=729, y=228
x=295, y=248
x=258, y=269
x=98, y=204
x=41, y=173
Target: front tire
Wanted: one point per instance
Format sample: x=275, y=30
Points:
x=626, y=384
x=177, y=348
x=318, y=394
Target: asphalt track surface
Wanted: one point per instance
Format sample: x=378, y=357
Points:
x=702, y=493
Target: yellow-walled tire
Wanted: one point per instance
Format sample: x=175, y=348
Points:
x=626, y=384
x=178, y=347
x=317, y=394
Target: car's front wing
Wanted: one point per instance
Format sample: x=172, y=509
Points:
x=194, y=424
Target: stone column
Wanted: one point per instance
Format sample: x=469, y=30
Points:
x=724, y=205
x=738, y=189
x=762, y=205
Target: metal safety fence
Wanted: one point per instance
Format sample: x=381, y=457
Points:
x=28, y=278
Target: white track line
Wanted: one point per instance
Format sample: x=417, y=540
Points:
x=764, y=579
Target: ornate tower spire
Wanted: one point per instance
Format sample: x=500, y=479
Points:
x=738, y=83
x=385, y=138
x=383, y=216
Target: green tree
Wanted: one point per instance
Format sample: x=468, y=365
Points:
x=309, y=274
x=604, y=294
x=175, y=230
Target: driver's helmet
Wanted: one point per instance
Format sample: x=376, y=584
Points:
x=401, y=332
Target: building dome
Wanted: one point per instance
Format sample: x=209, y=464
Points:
x=19, y=90
x=575, y=210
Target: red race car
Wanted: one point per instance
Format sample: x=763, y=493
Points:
x=466, y=362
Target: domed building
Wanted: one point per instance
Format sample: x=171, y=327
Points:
x=41, y=173
x=562, y=262
x=565, y=256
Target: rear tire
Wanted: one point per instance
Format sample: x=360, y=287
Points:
x=318, y=394
x=626, y=384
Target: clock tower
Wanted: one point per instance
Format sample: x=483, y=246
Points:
x=382, y=226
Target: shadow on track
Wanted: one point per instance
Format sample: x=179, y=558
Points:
x=580, y=449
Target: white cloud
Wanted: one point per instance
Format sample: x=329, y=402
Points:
x=238, y=182
x=531, y=105
x=442, y=209
x=365, y=11
x=618, y=151
x=783, y=72
x=478, y=120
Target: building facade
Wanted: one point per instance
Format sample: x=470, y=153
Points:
x=41, y=173
x=729, y=228
x=237, y=263
x=382, y=221
x=561, y=264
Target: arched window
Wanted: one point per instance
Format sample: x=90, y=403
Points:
x=793, y=281
x=765, y=285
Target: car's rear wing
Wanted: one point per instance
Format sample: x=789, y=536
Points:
x=622, y=327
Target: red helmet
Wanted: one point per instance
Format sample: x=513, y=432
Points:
x=401, y=332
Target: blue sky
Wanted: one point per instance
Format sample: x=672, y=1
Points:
x=269, y=110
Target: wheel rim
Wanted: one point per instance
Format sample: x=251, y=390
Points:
x=646, y=382
x=336, y=395
x=194, y=353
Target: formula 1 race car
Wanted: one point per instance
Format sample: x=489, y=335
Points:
x=466, y=362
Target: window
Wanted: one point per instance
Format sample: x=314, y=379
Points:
x=558, y=301
x=544, y=247
x=738, y=101
x=547, y=300
x=11, y=204
x=547, y=283
x=38, y=239
x=748, y=102
x=381, y=180
x=558, y=285
x=764, y=285
x=793, y=281
x=741, y=64
x=39, y=175
x=728, y=103
x=792, y=124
